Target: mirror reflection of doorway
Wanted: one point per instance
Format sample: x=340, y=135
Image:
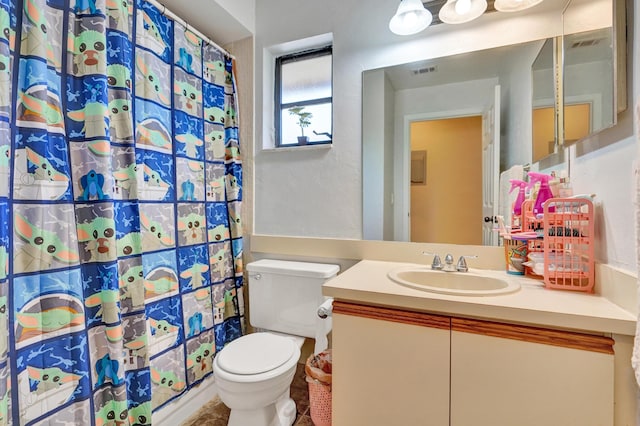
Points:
x=577, y=125
x=447, y=206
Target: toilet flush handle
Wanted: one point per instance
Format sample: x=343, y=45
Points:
x=255, y=276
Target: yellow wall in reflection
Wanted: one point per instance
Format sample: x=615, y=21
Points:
x=448, y=207
x=577, y=124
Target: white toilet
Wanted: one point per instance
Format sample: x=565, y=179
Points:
x=254, y=372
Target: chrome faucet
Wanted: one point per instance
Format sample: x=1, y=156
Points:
x=448, y=266
x=448, y=263
x=462, y=263
x=436, y=263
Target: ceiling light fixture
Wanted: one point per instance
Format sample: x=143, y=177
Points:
x=461, y=11
x=410, y=18
x=463, y=7
x=514, y=5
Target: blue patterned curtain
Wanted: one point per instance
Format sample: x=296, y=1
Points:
x=120, y=195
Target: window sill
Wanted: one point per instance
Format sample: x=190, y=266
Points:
x=312, y=147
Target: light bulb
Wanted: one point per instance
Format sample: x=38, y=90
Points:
x=463, y=6
x=514, y=5
x=410, y=20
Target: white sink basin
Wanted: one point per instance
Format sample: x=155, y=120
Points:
x=472, y=283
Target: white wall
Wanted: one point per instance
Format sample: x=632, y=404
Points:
x=378, y=108
x=596, y=90
x=223, y=21
x=516, y=115
x=389, y=176
x=318, y=193
x=373, y=138
x=242, y=10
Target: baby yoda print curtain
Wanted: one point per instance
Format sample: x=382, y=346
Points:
x=120, y=193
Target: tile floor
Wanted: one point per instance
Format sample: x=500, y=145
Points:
x=217, y=414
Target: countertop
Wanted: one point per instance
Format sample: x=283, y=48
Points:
x=367, y=283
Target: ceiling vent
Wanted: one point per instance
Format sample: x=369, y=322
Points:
x=586, y=43
x=425, y=70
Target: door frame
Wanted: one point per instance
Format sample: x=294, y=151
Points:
x=402, y=229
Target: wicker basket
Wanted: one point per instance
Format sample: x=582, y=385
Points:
x=319, y=368
x=319, y=402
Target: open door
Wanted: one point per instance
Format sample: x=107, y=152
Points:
x=445, y=195
x=491, y=168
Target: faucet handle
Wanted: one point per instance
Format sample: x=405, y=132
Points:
x=436, y=263
x=462, y=263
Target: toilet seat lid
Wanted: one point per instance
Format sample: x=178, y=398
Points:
x=256, y=353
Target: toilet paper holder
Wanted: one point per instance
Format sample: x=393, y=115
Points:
x=325, y=309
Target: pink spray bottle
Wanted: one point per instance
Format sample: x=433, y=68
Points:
x=517, y=204
x=544, y=192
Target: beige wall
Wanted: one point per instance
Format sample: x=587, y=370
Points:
x=448, y=208
x=544, y=132
x=577, y=120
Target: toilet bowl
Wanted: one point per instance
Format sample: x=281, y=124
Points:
x=254, y=372
x=253, y=375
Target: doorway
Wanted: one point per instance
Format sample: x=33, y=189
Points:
x=446, y=188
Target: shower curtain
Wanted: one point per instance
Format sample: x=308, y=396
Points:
x=120, y=195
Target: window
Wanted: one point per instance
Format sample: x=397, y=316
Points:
x=303, y=98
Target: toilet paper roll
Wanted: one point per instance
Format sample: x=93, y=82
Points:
x=326, y=308
x=323, y=326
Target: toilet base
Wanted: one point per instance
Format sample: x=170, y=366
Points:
x=280, y=413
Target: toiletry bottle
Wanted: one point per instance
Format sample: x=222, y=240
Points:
x=565, y=187
x=517, y=204
x=554, y=184
x=544, y=192
x=532, y=191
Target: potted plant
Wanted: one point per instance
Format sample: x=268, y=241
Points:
x=304, y=120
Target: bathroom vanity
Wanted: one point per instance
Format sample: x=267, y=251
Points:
x=402, y=355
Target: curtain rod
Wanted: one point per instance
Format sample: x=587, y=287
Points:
x=168, y=13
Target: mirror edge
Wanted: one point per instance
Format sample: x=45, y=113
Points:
x=620, y=101
x=620, y=53
x=554, y=157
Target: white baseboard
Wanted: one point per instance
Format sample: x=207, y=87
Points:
x=176, y=412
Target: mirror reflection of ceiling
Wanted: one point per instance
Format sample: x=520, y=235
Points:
x=590, y=46
x=450, y=69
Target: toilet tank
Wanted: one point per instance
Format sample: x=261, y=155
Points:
x=284, y=296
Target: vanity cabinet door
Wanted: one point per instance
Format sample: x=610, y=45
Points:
x=390, y=367
x=515, y=375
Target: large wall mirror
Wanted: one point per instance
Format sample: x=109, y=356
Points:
x=579, y=83
x=465, y=117
x=544, y=120
x=452, y=113
x=593, y=83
